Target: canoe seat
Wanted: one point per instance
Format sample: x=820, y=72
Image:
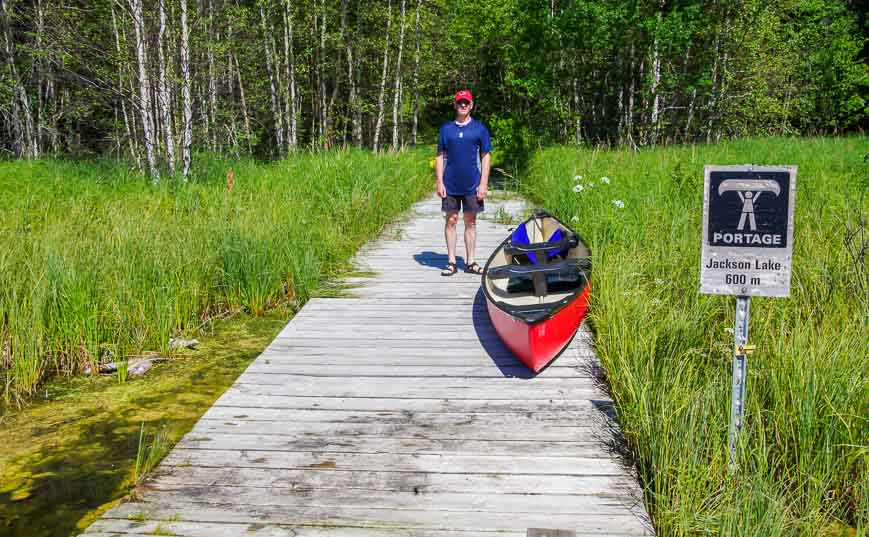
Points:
x=558, y=243
x=559, y=277
x=565, y=267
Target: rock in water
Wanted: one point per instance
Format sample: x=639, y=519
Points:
x=137, y=368
x=178, y=343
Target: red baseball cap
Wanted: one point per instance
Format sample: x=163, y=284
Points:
x=464, y=95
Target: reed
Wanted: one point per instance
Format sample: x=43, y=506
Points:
x=666, y=349
x=149, y=453
x=97, y=263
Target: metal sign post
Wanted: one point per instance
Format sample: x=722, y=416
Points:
x=748, y=217
x=740, y=369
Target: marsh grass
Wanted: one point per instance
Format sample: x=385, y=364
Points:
x=95, y=258
x=666, y=349
x=152, y=448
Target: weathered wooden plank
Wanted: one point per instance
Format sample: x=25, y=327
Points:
x=326, y=494
x=463, y=365
x=116, y=528
x=447, y=338
x=267, y=372
x=440, y=348
x=449, y=463
x=472, y=430
x=370, y=517
x=244, y=395
x=290, y=366
x=500, y=389
x=543, y=532
x=346, y=356
x=428, y=445
x=466, y=358
x=259, y=413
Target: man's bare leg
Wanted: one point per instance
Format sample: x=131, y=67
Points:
x=470, y=237
x=450, y=222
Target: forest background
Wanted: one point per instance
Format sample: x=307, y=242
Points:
x=156, y=80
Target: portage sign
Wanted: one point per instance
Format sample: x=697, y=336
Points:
x=748, y=221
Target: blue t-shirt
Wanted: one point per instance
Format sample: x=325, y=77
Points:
x=464, y=146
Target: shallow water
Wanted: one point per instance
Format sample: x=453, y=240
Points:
x=69, y=456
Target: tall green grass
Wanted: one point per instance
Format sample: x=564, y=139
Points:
x=95, y=262
x=666, y=349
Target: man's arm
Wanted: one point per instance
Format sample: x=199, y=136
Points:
x=439, y=173
x=483, y=189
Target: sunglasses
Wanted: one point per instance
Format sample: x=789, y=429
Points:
x=464, y=103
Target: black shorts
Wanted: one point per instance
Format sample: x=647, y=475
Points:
x=468, y=204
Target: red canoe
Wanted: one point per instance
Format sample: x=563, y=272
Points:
x=537, y=286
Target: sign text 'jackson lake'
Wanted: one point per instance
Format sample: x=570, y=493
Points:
x=748, y=215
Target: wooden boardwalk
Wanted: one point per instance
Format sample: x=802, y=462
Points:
x=397, y=413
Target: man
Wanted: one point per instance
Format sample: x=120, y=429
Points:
x=462, y=168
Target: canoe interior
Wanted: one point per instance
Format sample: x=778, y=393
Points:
x=519, y=291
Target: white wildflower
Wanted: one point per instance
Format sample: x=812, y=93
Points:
x=605, y=180
x=574, y=219
x=619, y=203
x=656, y=301
x=577, y=178
x=578, y=188
x=729, y=330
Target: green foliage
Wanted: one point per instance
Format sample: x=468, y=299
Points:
x=99, y=260
x=150, y=453
x=565, y=70
x=667, y=351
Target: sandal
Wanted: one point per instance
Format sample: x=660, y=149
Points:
x=450, y=269
x=474, y=268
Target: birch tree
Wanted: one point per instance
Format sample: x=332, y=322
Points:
x=25, y=143
x=396, y=98
x=353, y=101
x=292, y=102
x=416, y=78
x=187, y=131
x=165, y=95
x=211, y=117
x=121, y=69
x=144, y=89
x=272, y=67
x=380, y=97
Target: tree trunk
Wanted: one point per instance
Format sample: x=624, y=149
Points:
x=144, y=89
x=131, y=139
x=187, y=140
x=22, y=118
x=379, y=123
x=353, y=103
x=321, y=77
x=271, y=67
x=577, y=126
x=336, y=85
x=416, y=78
x=165, y=93
x=714, y=92
x=244, y=114
x=212, y=82
x=292, y=103
x=396, y=98
x=656, y=81
x=41, y=66
x=690, y=113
